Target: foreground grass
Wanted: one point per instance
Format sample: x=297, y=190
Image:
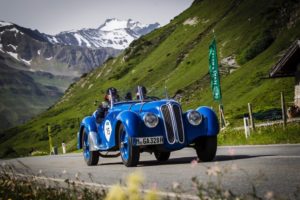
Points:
x=263, y=135
x=15, y=186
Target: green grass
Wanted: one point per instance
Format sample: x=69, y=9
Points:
x=263, y=135
x=176, y=55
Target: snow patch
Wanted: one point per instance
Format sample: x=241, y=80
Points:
x=5, y=24
x=12, y=46
x=52, y=39
x=191, y=21
x=1, y=46
x=114, y=24
x=14, y=55
x=49, y=58
x=14, y=30
x=79, y=38
x=27, y=62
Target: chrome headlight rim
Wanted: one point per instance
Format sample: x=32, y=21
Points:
x=150, y=120
x=194, y=117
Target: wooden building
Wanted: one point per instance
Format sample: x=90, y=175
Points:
x=289, y=66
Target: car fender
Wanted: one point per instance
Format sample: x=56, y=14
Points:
x=131, y=122
x=89, y=124
x=210, y=120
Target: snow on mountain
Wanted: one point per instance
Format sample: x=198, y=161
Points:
x=114, y=33
x=113, y=24
x=2, y=23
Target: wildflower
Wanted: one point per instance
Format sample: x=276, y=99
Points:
x=213, y=171
x=77, y=175
x=175, y=185
x=134, y=181
x=116, y=193
x=151, y=195
x=226, y=194
x=269, y=195
x=194, y=163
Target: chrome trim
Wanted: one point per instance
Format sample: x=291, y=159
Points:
x=170, y=107
x=181, y=119
x=93, y=143
x=173, y=121
x=166, y=130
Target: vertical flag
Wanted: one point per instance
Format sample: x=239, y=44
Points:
x=214, y=72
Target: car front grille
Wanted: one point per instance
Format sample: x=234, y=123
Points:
x=172, y=116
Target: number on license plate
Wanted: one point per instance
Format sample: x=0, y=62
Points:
x=148, y=141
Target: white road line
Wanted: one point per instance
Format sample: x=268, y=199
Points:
x=60, y=180
x=259, y=145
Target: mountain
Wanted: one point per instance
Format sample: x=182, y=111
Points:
x=114, y=33
x=35, y=65
x=251, y=36
x=36, y=51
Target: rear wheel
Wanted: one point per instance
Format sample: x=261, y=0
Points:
x=206, y=148
x=90, y=157
x=162, y=156
x=130, y=154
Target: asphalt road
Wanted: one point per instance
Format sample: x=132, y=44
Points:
x=271, y=168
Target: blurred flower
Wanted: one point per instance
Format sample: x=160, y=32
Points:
x=194, y=163
x=77, y=175
x=154, y=185
x=213, y=171
x=232, y=151
x=134, y=182
x=226, y=194
x=151, y=195
x=269, y=195
x=116, y=193
x=175, y=185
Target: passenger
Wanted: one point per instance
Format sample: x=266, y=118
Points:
x=143, y=94
x=128, y=96
x=111, y=94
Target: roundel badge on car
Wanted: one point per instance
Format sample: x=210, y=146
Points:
x=107, y=129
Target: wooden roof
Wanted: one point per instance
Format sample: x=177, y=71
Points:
x=287, y=65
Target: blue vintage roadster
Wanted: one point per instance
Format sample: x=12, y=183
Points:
x=155, y=126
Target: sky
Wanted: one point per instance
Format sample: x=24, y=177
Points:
x=54, y=16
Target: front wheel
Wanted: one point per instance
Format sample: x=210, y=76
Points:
x=90, y=157
x=130, y=154
x=162, y=156
x=206, y=148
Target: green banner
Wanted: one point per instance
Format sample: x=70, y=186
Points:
x=214, y=71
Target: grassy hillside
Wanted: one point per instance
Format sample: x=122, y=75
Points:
x=254, y=32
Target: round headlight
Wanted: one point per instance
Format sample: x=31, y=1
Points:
x=194, y=117
x=151, y=120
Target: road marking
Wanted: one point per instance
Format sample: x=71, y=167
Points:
x=259, y=145
x=103, y=186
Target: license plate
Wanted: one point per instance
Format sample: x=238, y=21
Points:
x=148, y=140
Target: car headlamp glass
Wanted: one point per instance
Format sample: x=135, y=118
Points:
x=194, y=117
x=150, y=120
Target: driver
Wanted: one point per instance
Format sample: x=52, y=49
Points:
x=111, y=94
